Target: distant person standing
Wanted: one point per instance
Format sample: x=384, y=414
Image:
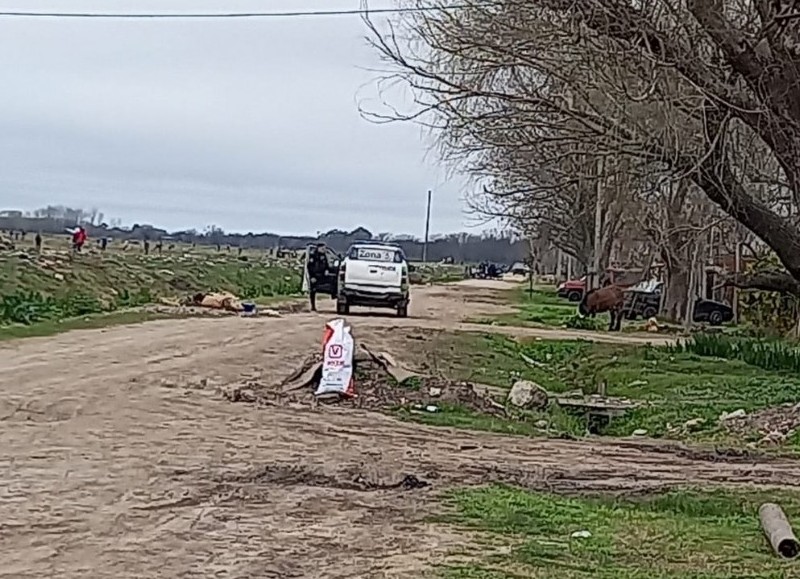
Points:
x=317, y=266
x=103, y=243
x=79, y=239
x=38, y=242
x=146, y=247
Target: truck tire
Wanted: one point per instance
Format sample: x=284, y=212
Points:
x=715, y=318
x=574, y=296
x=402, y=310
x=342, y=307
x=649, y=312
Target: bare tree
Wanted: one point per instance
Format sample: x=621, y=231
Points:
x=530, y=97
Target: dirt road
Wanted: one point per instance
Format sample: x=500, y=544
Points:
x=109, y=470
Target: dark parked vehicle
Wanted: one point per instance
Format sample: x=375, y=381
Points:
x=487, y=270
x=645, y=304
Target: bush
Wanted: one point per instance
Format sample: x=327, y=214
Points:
x=26, y=308
x=31, y=307
x=768, y=354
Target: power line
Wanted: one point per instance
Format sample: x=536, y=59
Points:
x=289, y=14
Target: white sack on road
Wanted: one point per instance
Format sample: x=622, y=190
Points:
x=337, y=362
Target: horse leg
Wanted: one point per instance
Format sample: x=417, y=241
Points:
x=610, y=320
x=618, y=319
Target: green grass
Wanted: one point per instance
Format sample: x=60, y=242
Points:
x=482, y=358
x=42, y=289
x=452, y=416
x=680, y=534
x=674, y=387
x=458, y=417
x=494, y=361
x=543, y=308
x=769, y=354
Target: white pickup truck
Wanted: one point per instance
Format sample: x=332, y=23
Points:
x=374, y=275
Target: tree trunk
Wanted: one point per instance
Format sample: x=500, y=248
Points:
x=676, y=293
x=716, y=177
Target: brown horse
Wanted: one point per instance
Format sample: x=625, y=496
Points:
x=609, y=299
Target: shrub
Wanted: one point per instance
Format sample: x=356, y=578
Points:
x=30, y=307
x=26, y=308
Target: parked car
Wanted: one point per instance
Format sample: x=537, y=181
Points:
x=572, y=289
x=644, y=301
x=486, y=270
x=519, y=268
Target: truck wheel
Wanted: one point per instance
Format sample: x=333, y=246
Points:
x=649, y=312
x=402, y=311
x=342, y=307
x=715, y=318
x=574, y=296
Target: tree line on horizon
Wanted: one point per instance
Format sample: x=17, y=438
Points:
x=495, y=246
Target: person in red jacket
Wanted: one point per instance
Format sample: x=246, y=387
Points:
x=79, y=238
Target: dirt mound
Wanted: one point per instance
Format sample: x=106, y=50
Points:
x=376, y=389
x=773, y=425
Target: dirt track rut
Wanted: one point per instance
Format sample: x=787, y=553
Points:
x=109, y=471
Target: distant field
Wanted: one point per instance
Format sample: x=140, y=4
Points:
x=47, y=288
x=55, y=285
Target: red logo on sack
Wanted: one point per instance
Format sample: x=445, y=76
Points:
x=335, y=351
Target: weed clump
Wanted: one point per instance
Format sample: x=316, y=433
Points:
x=770, y=355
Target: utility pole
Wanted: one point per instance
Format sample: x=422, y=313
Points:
x=427, y=229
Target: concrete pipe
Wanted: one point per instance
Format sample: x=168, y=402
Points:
x=778, y=531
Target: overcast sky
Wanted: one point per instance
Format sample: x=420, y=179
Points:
x=246, y=124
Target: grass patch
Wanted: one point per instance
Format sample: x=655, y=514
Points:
x=543, y=308
x=497, y=362
x=482, y=358
x=676, y=386
x=680, y=534
x=772, y=355
x=459, y=417
x=40, y=289
x=524, y=424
